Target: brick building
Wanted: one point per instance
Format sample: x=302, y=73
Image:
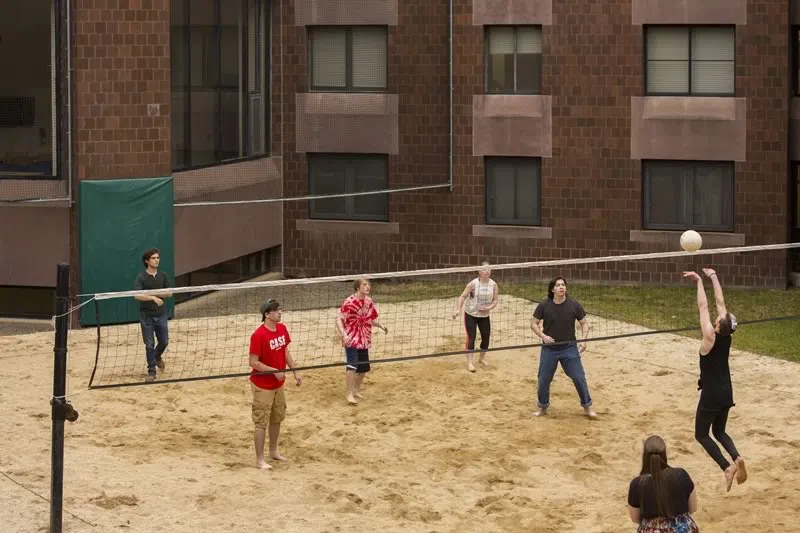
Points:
x=542, y=130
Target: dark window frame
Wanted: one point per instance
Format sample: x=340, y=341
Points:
x=349, y=87
x=794, y=196
x=349, y=160
x=795, y=54
x=689, y=28
x=692, y=166
x=489, y=161
x=487, y=55
x=59, y=80
x=263, y=84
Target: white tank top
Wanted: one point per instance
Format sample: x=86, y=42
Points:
x=481, y=295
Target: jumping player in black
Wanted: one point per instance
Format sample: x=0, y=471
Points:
x=716, y=396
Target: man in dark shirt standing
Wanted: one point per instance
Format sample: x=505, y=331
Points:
x=152, y=311
x=559, y=313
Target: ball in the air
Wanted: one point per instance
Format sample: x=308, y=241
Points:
x=691, y=241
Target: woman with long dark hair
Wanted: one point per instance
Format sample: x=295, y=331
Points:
x=661, y=499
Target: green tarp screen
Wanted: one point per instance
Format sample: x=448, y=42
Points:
x=118, y=221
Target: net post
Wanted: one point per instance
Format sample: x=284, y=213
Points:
x=61, y=408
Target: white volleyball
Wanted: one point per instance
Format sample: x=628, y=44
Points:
x=691, y=241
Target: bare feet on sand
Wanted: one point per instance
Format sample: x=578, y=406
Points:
x=483, y=361
x=352, y=400
x=358, y=395
x=278, y=457
x=588, y=411
x=730, y=473
x=540, y=412
x=263, y=465
x=741, y=471
x=471, y=367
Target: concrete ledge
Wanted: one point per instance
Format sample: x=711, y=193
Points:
x=348, y=226
x=512, y=232
x=673, y=238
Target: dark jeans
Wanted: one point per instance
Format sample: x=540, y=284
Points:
x=472, y=324
x=154, y=326
x=714, y=420
x=570, y=360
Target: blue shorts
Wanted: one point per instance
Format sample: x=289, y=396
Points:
x=357, y=359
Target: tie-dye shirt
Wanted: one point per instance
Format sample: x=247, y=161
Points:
x=357, y=316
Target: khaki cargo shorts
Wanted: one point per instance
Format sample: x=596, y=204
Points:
x=269, y=406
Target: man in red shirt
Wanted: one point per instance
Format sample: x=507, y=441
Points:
x=354, y=323
x=269, y=352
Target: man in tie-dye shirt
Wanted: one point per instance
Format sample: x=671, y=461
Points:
x=354, y=323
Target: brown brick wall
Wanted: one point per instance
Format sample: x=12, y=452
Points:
x=591, y=187
x=121, y=88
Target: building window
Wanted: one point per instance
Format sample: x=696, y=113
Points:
x=684, y=61
x=220, y=70
x=28, y=114
x=331, y=174
x=513, y=60
x=680, y=195
x=796, y=60
x=796, y=202
x=513, y=191
x=352, y=59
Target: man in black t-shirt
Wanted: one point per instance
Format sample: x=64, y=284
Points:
x=152, y=311
x=559, y=313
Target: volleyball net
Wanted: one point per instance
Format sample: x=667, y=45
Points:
x=209, y=330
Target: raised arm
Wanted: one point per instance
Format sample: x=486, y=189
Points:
x=722, y=310
x=702, y=306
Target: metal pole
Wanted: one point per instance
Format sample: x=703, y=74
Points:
x=61, y=409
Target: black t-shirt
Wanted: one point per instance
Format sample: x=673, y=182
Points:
x=559, y=319
x=715, y=376
x=679, y=485
x=146, y=282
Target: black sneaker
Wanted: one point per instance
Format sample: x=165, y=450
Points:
x=160, y=364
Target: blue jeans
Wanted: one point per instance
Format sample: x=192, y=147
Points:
x=154, y=326
x=570, y=360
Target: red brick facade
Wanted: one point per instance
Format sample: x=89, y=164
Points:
x=121, y=84
x=591, y=188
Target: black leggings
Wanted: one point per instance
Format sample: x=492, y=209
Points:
x=715, y=421
x=471, y=323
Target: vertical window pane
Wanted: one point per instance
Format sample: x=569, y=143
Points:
x=204, y=126
x=328, y=58
x=529, y=60
x=713, y=51
x=666, y=198
x=369, y=58
x=797, y=198
x=667, y=60
x=229, y=124
x=179, y=110
x=327, y=177
x=501, y=59
x=712, y=196
x=369, y=175
x=527, y=194
x=501, y=190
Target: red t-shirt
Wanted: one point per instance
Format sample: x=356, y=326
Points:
x=357, y=316
x=270, y=347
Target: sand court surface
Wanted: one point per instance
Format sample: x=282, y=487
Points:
x=432, y=448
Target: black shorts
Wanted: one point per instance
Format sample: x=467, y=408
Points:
x=357, y=359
